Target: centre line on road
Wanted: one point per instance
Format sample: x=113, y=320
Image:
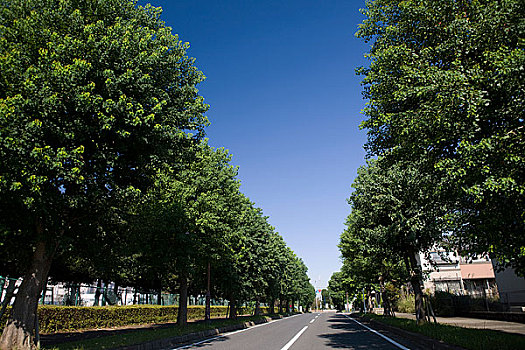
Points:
x=312, y=321
x=379, y=334
x=290, y=343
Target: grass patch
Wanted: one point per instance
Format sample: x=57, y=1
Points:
x=142, y=336
x=468, y=338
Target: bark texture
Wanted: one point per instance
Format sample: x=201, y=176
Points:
x=182, y=315
x=20, y=331
x=415, y=281
x=257, y=310
x=233, y=309
x=10, y=291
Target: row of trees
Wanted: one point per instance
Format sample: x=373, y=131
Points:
x=445, y=124
x=104, y=173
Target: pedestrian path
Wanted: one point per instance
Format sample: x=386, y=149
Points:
x=467, y=322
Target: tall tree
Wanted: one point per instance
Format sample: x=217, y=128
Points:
x=446, y=83
x=395, y=215
x=209, y=189
x=94, y=96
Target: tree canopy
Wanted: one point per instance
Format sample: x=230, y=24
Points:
x=446, y=84
x=104, y=169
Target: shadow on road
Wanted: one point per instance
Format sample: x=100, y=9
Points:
x=348, y=335
x=210, y=342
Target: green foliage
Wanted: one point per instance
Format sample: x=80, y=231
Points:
x=448, y=304
x=55, y=319
x=338, y=287
x=405, y=304
x=445, y=85
x=103, y=165
x=142, y=336
x=467, y=338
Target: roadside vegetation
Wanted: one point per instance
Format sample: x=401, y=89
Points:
x=146, y=335
x=468, y=338
x=106, y=176
x=445, y=125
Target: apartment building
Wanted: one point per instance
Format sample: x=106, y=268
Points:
x=447, y=272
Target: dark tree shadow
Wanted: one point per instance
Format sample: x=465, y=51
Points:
x=349, y=335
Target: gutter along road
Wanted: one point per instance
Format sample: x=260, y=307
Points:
x=305, y=331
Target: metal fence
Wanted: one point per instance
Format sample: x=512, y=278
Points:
x=74, y=294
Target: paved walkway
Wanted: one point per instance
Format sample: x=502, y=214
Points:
x=504, y=326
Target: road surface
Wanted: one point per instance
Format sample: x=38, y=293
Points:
x=306, y=331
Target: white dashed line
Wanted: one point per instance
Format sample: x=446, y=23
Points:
x=290, y=343
x=231, y=333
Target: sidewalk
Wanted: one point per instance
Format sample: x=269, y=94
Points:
x=503, y=326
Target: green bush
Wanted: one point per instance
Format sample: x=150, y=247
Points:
x=448, y=304
x=53, y=319
x=406, y=304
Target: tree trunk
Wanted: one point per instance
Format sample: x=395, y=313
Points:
x=272, y=307
x=293, y=305
x=20, y=332
x=159, y=296
x=257, y=307
x=97, y=293
x=104, y=292
x=415, y=281
x=10, y=290
x=384, y=295
x=287, y=306
x=182, y=315
x=233, y=309
x=115, y=291
x=281, y=304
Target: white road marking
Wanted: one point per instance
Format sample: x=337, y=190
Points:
x=231, y=333
x=290, y=343
x=312, y=321
x=379, y=334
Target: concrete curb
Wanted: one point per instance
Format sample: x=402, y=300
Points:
x=192, y=337
x=419, y=339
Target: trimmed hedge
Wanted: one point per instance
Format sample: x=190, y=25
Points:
x=53, y=319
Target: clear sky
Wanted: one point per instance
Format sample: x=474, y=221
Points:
x=284, y=99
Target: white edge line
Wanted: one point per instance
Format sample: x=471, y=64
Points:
x=290, y=343
x=234, y=332
x=379, y=334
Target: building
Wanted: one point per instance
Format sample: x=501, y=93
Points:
x=447, y=272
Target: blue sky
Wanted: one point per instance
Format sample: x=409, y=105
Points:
x=284, y=99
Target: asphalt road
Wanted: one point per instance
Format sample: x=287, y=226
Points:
x=306, y=331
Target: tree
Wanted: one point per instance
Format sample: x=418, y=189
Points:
x=94, y=97
x=338, y=290
x=395, y=216
x=213, y=203
x=446, y=84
